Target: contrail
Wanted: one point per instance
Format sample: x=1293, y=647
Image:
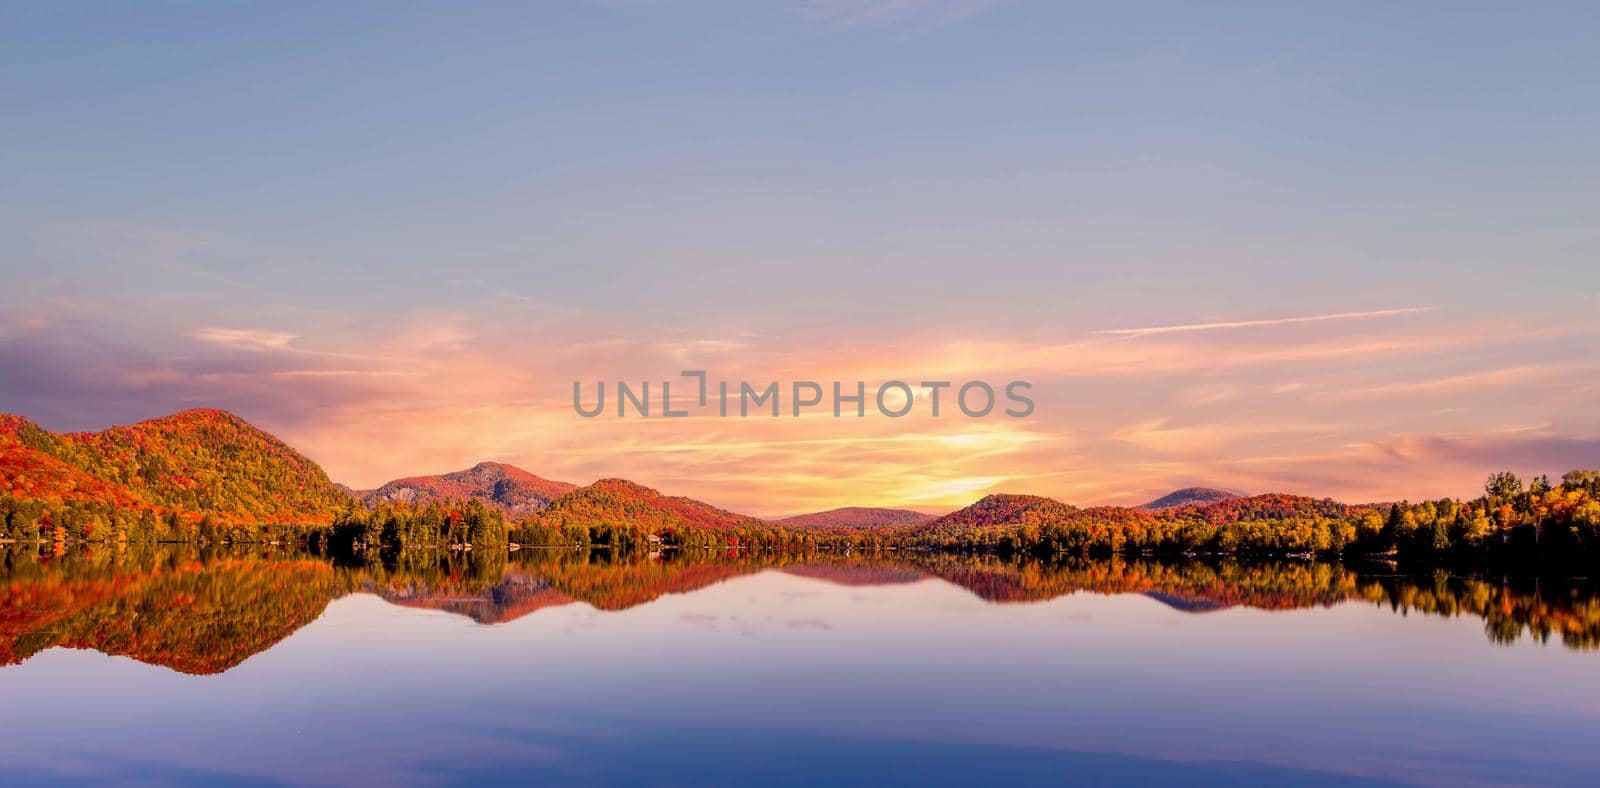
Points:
x=1279, y=321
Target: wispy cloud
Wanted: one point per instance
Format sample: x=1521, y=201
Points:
x=1416, y=465
x=1117, y=420
x=1161, y=435
x=246, y=339
x=1277, y=321
x=1455, y=384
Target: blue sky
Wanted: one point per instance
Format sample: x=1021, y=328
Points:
x=860, y=171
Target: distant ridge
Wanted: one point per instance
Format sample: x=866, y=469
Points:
x=508, y=488
x=353, y=493
x=852, y=517
x=1189, y=496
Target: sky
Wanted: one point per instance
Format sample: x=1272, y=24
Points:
x=1268, y=247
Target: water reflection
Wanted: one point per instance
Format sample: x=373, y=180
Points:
x=561, y=667
x=205, y=611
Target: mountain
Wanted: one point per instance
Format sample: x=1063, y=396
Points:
x=1005, y=509
x=1268, y=507
x=995, y=512
x=620, y=503
x=191, y=463
x=1188, y=496
x=506, y=487
x=853, y=517
x=353, y=493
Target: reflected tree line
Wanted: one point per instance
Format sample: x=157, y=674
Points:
x=205, y=609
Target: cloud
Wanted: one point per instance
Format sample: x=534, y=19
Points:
x=1413, y=466
x=1160, y=435
x=246, y=339
x=427, y=392
x=809, y=623
x=1279, y=321
x=1101, y=357
x=87, y=375
x=1472, y=381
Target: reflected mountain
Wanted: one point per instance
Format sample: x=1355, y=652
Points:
x=842, y=573
x=1187, y=603
x=193, y=614
x=205, y=611
x=515, y=595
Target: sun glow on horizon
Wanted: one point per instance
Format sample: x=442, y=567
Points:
x=1265, y=410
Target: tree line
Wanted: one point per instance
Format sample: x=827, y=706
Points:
x=1533, y=520
x=1512, y=520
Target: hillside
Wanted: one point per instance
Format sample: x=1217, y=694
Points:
x=618, y=503
x=1256, y=508
x=192, y=463
x=992, y=514
x=852, y=518
x=38, y=466
x=512, y=490
x=1188, y=496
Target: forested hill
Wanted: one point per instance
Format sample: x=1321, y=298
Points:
x=178, y=467
x=991, y=516
x=1196, y=496
x=621, y=503
x=512, y=490
x=853, y=517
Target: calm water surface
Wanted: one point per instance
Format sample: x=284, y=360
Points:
x=249, y=667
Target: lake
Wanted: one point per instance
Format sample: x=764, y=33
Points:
x=267, y=666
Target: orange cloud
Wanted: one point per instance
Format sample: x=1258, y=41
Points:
x=246, y=338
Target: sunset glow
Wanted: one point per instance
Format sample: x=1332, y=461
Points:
x=1270, y=263
x=1389, y=406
